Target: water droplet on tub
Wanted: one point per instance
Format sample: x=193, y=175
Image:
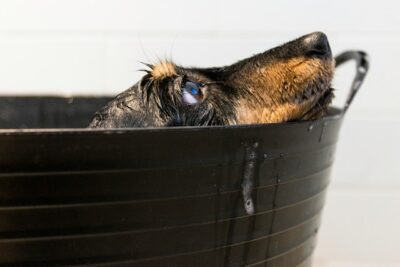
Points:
x=265, y=156
x=311, y=127
x=362, y=69
x=248, y=177
x=357, y=84
x=322, y=130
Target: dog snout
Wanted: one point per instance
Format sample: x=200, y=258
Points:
x=317, y=45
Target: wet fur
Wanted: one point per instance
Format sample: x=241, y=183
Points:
x=282, y=84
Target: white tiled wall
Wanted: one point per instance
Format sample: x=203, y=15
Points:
x=89, y=47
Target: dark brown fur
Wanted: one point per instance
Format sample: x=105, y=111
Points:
x=289, y=82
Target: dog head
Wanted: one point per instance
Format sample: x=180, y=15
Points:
x=289, y=82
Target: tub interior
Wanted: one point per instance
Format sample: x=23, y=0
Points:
x=48, y=112
x=52, y=112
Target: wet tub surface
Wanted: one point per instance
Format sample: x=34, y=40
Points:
x=185, y=196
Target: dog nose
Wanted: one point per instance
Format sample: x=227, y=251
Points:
x=317, y=45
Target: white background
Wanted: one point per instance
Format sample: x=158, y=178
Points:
x=90, y=47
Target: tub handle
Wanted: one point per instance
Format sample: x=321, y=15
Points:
x=362, y=66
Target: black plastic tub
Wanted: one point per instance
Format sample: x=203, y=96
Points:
x=185, y=196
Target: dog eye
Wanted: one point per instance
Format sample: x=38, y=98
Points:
x=191, y=93
x=192, y=88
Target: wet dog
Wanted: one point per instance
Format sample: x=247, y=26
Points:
x=286, y=83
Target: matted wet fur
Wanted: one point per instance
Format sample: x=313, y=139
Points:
x=289, y=82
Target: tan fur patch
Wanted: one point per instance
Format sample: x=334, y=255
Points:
x=163, y=69
x=274, y=114
x=271, y=87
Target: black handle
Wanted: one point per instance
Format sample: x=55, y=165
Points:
x=362, y=62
